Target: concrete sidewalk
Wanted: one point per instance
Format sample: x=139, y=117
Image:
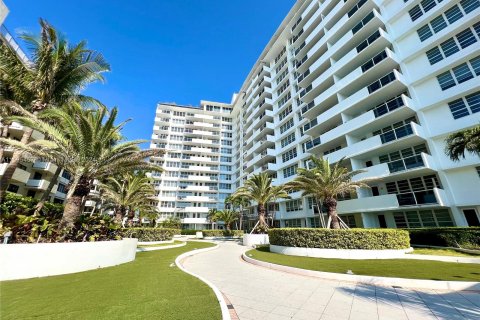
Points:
x=261, y=294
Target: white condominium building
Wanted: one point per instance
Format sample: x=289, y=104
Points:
x=378, y=83
x=197, y=161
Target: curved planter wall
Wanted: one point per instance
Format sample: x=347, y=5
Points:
x=340, y=253
x=23, y=261
x=251, y=240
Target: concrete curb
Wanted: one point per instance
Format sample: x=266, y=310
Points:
x=221, y=300
x=161, y=247
x=380, y=281
x=146, y=243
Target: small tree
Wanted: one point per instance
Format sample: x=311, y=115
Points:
x=325, y=183
x=239, y=202
x=227, y=216
x=459, y=142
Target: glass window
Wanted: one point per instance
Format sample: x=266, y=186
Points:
x=428, y=4
x=453, y=14
x=473, y=101
x=415, y=13
x=446, y=80
x=438, y=24
x=469, y=5
x=476, y=27
x=458, y=109
x=424, y=32
x=475, y=62
x=462, y=73
x=449, y=47
x=466, y=38
x=434, y=55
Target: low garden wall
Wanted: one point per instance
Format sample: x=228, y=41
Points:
x=343, y=244
x=23, y=261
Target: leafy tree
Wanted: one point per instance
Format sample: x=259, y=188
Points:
x=86, y=144
x=459, y=142
x=239, y=202
x=227, y=216
x=325, y=183
x=57, y=73
x=259, y=189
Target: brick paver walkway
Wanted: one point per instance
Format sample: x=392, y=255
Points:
x=261, y=294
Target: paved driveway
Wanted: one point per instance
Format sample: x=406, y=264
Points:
x=258, y=293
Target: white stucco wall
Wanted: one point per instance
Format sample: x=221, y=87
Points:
x=23, y=261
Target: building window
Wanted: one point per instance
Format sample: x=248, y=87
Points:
x=465, y=106
x=287, y=125
x=453, y=14
x=424, y=32
x=288, y=139
x=289, y=155
x=478, y=171
x=461, y=73
x=294, y=205
x=290, y=171
x=423, y=218
x=13, y=188
x=469, y=5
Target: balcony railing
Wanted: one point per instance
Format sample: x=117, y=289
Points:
x=315, y=142
x=417, y=198
x=388, y=106
x=397, y=133
x=406, y=164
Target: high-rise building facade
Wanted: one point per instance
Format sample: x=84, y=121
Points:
x=197, y=161
x=379, y=84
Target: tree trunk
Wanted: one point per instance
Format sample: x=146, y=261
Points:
x=241, y=219
x=228, y=226
x=3, y=134
x=331, y=204
x=73, y=206
x=7, y=176
x=262, y=226
x=119, y=214
x=46, y=194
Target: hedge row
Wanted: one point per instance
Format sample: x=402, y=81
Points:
x=467, y=238
x=370, y=239
x=189, y=232
x=222, y=233
x=149, y=234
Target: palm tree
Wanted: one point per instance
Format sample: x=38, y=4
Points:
x=56, y=75
x=459, y=142
x=325, y=183
x=85, y=143
x=211, y=215
x=227, y=216
x=259, y=189
x=128, y=193
x=238, y=202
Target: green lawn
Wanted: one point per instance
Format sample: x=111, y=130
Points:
x=398, y=268
x=176, y=242
x=444, y=252
x=148, y=288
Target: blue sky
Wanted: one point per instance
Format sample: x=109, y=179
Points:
x=179, y=51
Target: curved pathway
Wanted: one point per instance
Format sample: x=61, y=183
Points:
x=261, y=294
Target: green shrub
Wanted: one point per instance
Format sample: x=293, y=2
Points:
x=222, y=233
x=370, y=239
x=468, y=238
x=189, y=232
x=149, y=234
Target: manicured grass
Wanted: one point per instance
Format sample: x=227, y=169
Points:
x=444, y=252
x=397, y=268
x=160, y=244
x=147, y=288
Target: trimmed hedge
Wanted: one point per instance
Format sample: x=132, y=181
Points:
x=467, y=238
x=222, y=233
x=189, y=232
x=369, y=239
x=149, y=234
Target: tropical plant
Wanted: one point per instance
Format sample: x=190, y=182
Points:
x=56, y=75
x=459, y=142
x=227, y=216
x=238, y=202
x=259, y=189
x=128, y=193
x=85, y=143
x=325, y=182
x=172, y=223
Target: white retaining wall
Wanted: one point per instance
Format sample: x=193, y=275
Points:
x=251, y=240
x=23, y=261
x=340, y=253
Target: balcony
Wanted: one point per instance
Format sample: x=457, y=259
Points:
x=200, y=178
x=435, y=197
x=37, y=184
x=379, y=203
x=195, y=221
x=19, y=175
x=45, y=166
x=197, y=209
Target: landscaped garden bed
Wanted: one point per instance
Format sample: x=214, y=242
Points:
x=147, y=288
x=149, y=234
x=397, y=268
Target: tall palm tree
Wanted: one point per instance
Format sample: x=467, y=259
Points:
x=86, y=144
x=128, y=193
x=227, y=216
x=325, y=183
x=56, y=75
x=259, y=189
x=239, y=202
x=459, y=142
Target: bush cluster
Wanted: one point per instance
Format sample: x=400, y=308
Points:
x=369, y=239
x=189, y=232
x=467, y=238
x=149, y=234
x=222, y=233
